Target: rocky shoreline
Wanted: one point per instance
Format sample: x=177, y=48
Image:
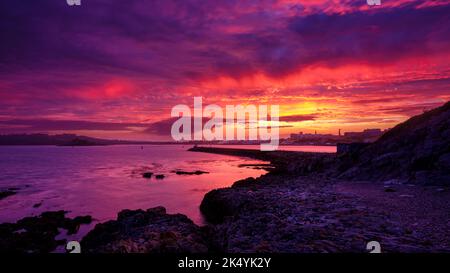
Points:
x=394, y=191
x=286, y=211
x=310, y=212
x=297, y=207
x=281, y=162
x=39, y=234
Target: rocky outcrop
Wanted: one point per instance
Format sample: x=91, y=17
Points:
x=37, y=234
x=281, y=162
x=198, y=172
x=147, y=175
x=150, y=231
x=417, y=151
x=6, y=193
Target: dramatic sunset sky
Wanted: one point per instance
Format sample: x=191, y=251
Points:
x=115, y=68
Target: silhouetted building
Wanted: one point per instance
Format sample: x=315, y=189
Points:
x=368, y=135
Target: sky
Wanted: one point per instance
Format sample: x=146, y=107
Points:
x=115, y=69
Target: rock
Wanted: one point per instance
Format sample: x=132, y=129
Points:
x=150, y=231
x=267, y=167
x=37, y=205
x=284, y=214
x=37, y=234
x=389, y=189
x=213, y=207
x=158, y=211
x=247, y=182
x=147, y=175
x=190, y=173
x=280, y=161
x=4, y=194
x=73, y=225
x=160, y=176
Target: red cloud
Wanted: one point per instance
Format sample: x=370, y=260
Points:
x=114, y=88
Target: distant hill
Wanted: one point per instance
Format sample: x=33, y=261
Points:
x=63, y=140
x=417, y=150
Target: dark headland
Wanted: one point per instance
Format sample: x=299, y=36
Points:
x=395, y=191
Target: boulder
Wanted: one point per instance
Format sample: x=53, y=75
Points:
x=147, y=175
x=149, y=231
x=37, y=234
x=4, y=194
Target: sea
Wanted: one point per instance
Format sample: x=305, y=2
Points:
x=102, y=180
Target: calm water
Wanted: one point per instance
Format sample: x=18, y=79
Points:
x=102, y=180
x=293, y=148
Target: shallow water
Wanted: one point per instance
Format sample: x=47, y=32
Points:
x=102, y=180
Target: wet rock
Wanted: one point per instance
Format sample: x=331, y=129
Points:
x=150, y=231
x=247, y=182
x=198, y=172
x=147, y=175
x=214, y=208
x=37, y=234
x=267, y=167
x=222, y=203
x=389, y=189
x=72, y=226
x=4, y=194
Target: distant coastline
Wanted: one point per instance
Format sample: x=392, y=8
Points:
x=67, y=140
x=78, y=140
